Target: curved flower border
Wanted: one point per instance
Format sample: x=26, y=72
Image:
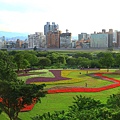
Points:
x=116, y=83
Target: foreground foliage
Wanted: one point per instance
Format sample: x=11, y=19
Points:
x=86, y=108
x=14, y=93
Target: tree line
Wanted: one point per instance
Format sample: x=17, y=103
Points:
x=46, y=59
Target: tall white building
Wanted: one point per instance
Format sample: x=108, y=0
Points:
x=37, y=39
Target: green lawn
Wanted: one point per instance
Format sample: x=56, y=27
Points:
x=117, y=77
x=61, y=101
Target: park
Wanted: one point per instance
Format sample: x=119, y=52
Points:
x=63, y=84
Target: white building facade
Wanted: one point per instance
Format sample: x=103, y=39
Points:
x=66, y=40
x=36, y=40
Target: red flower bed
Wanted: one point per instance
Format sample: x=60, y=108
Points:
x=0, y=99
x=116, y=83
x=26, y=107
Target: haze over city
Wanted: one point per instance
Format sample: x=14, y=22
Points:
x=75, y=15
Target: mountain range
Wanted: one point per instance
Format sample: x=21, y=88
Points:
x=14, y=35
x=21, y=36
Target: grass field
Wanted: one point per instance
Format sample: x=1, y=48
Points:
x=61, y=101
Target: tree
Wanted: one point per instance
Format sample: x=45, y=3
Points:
x=62, y=59
x=84, y=103
x=53, y=57
x=100, y=55
x=83, y=62
x=19, y=57
x=31, y=58
x=44, y=62
x=42, y=53
x=57, y=115
x=71, y=61
x=95, y=64
x=83, y=54
x=7, y=67
x=15, y=95
x=117, y=60
x=114, y=101
x=107, y=60
x=25, y=64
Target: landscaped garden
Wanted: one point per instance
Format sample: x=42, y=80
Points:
x=58, y=81
x=64, y=77
x=98, y=84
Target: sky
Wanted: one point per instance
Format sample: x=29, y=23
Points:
x=77, y=16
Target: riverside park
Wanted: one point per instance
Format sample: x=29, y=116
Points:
x=63, y=84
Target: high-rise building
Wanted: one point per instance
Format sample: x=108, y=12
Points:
x=110, y=38
x=118, y=39
x=99, y=40
x=48, y=27
x=102, y=39
x=19, y=43
x=53, y=39
x=66, y=40
x=37, y=39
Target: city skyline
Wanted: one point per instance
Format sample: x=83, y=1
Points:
x=77, y=16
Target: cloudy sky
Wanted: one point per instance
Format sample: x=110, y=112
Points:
x=75, y=15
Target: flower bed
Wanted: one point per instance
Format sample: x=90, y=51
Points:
x=26, y=107
x=56, y=73
x=116, y=83
x=59, y=77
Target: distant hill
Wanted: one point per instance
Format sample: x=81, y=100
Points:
x=21, y=36
x=13, y=35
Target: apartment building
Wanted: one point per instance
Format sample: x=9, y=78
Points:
x=37, y=39
x=110, y=38
x=102, y=39
x=99, y=40
x=19, y=43
x=53, y=39
x=50, y=27
x=66, y=40
x=118, y=39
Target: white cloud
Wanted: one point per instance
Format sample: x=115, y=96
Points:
x=76, y=15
